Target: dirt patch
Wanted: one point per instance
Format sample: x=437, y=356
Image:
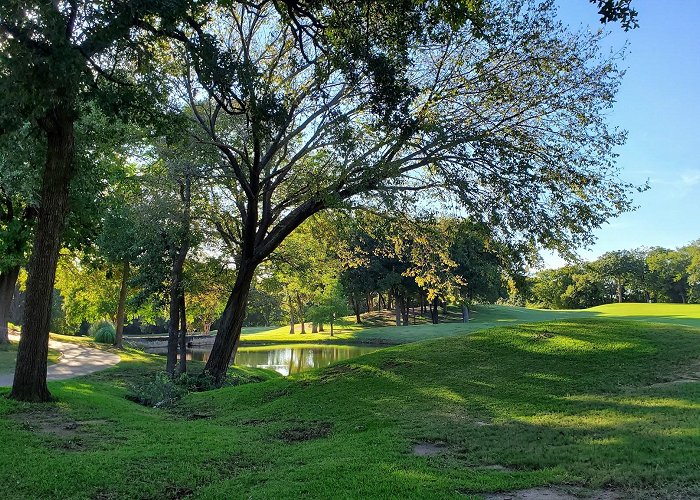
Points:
x=542, y=335
x=306, y=432
x=688, y=376
x=49, y=421
x=55, y=424
x=427, y=449
x=555, y=493
x=272, y=395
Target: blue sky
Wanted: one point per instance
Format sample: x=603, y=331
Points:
x=659, y=105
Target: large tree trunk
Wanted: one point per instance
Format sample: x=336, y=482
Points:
x=183, y=336
x=229, y=334
x=30, y=370
x=121, y=308
x=8, y=280
x=174, y=313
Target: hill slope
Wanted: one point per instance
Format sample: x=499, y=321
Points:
x=601, y=404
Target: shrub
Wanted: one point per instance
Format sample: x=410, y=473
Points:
x=103, y=332
x=157, y=392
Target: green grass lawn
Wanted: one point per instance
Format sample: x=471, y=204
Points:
x=8, y=356
x=482, y=316
x=377, y=329
x=589, y=402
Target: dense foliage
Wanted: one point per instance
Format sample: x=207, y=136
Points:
x=644, y=275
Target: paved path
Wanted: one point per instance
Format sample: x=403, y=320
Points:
x=75, y=361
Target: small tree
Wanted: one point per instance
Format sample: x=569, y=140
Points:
x=331, y=306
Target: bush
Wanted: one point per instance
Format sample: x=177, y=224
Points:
x=157, y=393
x=103, y=332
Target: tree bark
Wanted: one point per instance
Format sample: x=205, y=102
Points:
x=356, y=308
x=292, y=321
x=182, y=368
x=314, y=327
x=300, y=306
x=465, y=314
x=8, y=279
x=121, y=308
x=404, y=311
x=619, y=291
x=397, y=312
x=174, y=313
x=434, y=312
x=30, y=370
x=228, y=337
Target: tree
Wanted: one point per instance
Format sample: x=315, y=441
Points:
x=56, y=58
x=624, y=267
x=18, y=156
x=512, y=128
x=331, y=306
x=670, y=274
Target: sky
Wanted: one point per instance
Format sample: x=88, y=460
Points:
x=659, y=105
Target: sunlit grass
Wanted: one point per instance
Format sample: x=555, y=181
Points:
x=587, y=402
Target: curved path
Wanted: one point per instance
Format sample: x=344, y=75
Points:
x=75, y=361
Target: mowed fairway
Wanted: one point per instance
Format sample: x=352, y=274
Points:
x=604, y=405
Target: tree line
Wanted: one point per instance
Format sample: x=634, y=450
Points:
x=156, y=130
x=643, y=275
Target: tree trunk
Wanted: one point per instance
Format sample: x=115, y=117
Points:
x=398, y=310
x=30, y=370
x=619, y=291
x=174, y=313
x=314, y=327
x=228, y=337
x=379, y=301
x=404, y=311
x=183, y=336
x=8, y=280
x=300, y=305
x=356, y=308
x=118, y=339
x=369, y=303
x=434, y=312
x=331, y=328
x=292, y=321
x=465, y=314
x=320, y=327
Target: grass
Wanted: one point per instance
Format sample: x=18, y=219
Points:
x=8, y=356
x=482, y=316
x=585, y=401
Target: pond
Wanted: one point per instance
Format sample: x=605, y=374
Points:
x=285, y=359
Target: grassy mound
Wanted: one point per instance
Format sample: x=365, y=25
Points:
x=589, y=402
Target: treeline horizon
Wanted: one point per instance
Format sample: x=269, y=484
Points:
x=645, y=274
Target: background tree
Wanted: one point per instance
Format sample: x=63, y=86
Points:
x=280, y=124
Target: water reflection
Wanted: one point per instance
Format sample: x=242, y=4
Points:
x=286, y=359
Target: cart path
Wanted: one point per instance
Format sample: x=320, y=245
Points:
x=75, y=361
